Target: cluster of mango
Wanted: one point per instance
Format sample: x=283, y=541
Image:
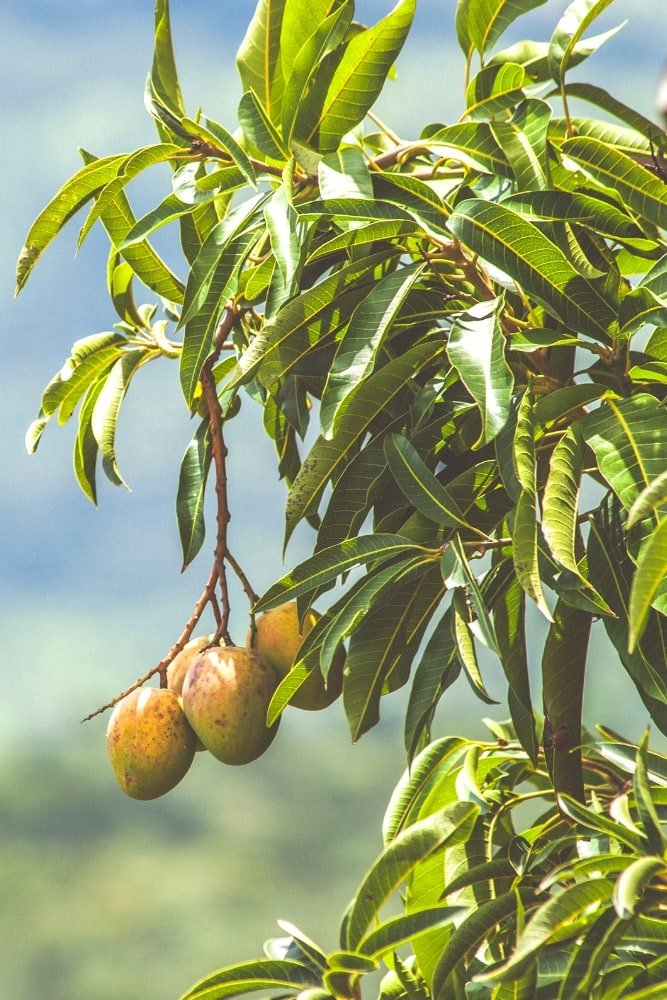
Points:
x=216, y=699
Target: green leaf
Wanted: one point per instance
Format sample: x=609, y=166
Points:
x=107, y=406
x=216, y=135
x=286, y=234
x=550, y=920
x=495, y=89
x=611, y=571
x=210, y=260
x=79, y=189
x=305, y=321
x=329, y=563
x=476, y=348
x=398, y=930
x=470, y=143
x=480, y=23
x=601, y=824
x=132, y=166
x=410, y=847
x=510, y=630
x=383, y=646
x=641, y=307
x=191, y=490
x=247, y=977
x=415, y=783
x=603, y=217
x=578, y=16
x=86, y=448
x=469, y=936
x=348, y=83
x=371, y=398
x=643, y=128
x=310, y=31
x=371, y=232
x=591, y=955
x=524, y=534
x=118, y=219
x=644, y=800
x=436, y=671
x=258, y=128
x=200, y=329
x=258, y=58
x=418, y=198
x=651, y=573
x=561, y=499
x=563, y=671
x=522, y=251
x=636, y=186
x=357, y=350
x=465, y=646
x=164, y=76
x=482, y=627
x=524, y=141
x=419, y=485
x=629, y=438
x=632, y=882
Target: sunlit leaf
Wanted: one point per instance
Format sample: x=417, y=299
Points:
x=347, y=83
x=476, y=348
x=191, y=491
x=356, y=352
x=651, y=573
x=78, y=190
x=638, y=188
x=480, y=23
x=247, y=977
x=371, y=398
x=632, y=882
x=578, y=16
x=516, y=245
x=400, y=857
x=329, y=563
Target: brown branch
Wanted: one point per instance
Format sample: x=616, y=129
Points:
x=219, y=455
x=207, y=595
x=221, y=553
x=243, y=579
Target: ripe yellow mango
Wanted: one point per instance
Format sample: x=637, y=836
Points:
x=150, y=743
x=277, y=640
x=180, y=664
x=226, y=694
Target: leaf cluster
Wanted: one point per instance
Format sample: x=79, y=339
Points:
x=570, y=906
x=474, y=321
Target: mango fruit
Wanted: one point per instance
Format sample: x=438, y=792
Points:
x=277, y=640
x=180, y=665
x=226, y=694
x=149, y=742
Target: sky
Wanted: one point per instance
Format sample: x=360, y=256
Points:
x=91, y=598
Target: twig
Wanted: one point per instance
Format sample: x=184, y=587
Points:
x=221, y=554
x=207, y=594
x=219, y=455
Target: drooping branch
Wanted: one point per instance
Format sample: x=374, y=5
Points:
x=221, y=553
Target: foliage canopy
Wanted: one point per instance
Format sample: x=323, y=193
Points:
x=475, y=321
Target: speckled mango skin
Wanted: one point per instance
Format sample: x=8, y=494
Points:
x=277, y=640
x=150, y=743
x=226, y=694
x=180, y=665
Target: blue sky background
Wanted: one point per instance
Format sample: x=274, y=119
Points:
x=98, y=592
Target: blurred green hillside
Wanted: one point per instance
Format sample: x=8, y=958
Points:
x=109, y=898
